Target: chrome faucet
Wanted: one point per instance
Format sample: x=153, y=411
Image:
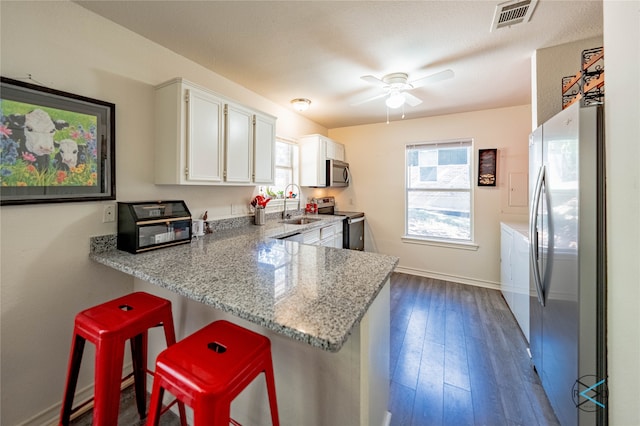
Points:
x=285, y=215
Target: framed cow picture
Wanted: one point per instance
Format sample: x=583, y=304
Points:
x=54, y=146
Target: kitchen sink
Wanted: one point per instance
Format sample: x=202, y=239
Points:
x=300, y=221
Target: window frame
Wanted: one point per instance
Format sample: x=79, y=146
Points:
x=294, y=160
x=466, y=244
x=277, y=204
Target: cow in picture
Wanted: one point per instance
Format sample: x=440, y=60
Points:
x=34, y=134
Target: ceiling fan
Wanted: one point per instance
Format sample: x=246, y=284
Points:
x=397, y=85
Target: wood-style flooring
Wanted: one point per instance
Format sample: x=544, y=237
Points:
x=457, y=358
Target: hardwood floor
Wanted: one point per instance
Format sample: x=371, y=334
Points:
x=458, y=357
x=128, y=415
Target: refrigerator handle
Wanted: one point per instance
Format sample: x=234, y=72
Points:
x=534, y=254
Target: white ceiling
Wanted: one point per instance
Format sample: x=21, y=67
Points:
x=320, y=49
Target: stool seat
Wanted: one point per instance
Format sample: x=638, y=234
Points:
x=209, y=368
x=108, y=326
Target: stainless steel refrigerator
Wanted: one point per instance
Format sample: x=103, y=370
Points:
x=567, y=263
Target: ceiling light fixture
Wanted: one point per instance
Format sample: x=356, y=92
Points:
x=301, y=104
x=395, y=100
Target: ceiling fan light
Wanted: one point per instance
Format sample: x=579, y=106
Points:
x=301, y=104
x=395, y=100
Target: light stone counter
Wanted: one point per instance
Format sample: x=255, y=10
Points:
x=312, y=294
x=325, y=311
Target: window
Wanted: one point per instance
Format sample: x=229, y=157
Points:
x=439, y=191
x=286, y=165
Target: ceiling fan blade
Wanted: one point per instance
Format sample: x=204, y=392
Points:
x=373, y=80
x=372, y=98
x=411, y=100
x=433, y=78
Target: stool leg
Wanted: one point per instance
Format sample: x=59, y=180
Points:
x=211, y=412
x=183, y=414
x=271, y=391
x=77, y=348
x=108, y=377
x=139, y=357
x=169, y=331
x=155, y=406
x=170, y=336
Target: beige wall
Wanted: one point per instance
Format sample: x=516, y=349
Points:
x=622, y=129
x=376, y=155
x=549, y=65
x=46, y=274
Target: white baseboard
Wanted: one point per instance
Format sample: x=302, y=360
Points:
x=447, y=277
x=387, y=419
x=51, y=415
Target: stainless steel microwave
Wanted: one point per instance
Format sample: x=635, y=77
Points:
x=337, y=173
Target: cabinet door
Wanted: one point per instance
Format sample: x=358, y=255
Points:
x=335, y=150
x=264, y=146
x=204, y=137
x=313, y=152
x=520, y=277
x=338, y=151
x=239, y=143
x=506, y=248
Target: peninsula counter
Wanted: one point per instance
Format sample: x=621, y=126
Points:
x=326, y=311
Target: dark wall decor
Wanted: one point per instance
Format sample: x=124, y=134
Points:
x=487, y=167
x=54, y=146
x=587, y=86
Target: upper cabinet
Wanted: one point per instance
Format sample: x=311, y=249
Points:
x=239, y=143
x=204, y=139
x=264, y=148
x=335, y=150
x=315, y=150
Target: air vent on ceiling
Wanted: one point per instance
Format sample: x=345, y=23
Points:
x=512, y=13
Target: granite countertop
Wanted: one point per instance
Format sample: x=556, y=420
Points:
x=312, y=294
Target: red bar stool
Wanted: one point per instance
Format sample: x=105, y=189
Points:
x=108, y=326
x=209, y=368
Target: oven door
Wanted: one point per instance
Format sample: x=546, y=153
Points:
x=353, y=234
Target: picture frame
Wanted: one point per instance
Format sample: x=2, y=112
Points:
x=55, y=146
x=487, y=167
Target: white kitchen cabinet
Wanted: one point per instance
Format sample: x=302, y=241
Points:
x=335, y=150
x=331, y=236
x=328, y=236
x=264, y=149
x=238, y=144
x=514, y=271
x=203, y=138
x=311, y=237
x=250, y=144
x=189, y=137
x=315, y=150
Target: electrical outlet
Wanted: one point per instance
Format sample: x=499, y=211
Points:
x=109, y=213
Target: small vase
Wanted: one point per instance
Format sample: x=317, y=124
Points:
x=259, y=217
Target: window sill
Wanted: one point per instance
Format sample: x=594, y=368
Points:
x=440, y=243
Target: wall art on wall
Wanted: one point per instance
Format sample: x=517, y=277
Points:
x=487, y=167
x=54, y=146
